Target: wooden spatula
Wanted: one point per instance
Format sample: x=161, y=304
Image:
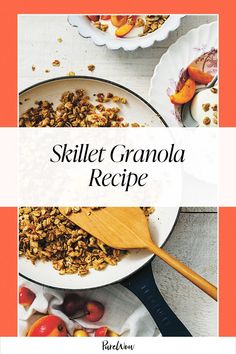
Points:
x=126, y=228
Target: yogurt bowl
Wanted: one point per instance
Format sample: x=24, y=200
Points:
x=131, y=40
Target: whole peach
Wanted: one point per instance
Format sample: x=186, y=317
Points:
x=26, y=296
x=94, y=310
x=48, y=326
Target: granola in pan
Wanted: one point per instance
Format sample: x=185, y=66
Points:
x=46, y=235
x=75, y=110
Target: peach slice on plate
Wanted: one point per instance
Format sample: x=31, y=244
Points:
x=127, y=27
x=185, y=94
x=119, y=21
x=199, y=76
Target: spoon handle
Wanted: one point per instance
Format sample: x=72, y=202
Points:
x=143, y=285
x=188, y=273
x=213, y=81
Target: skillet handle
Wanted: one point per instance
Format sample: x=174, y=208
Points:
x=143, y=285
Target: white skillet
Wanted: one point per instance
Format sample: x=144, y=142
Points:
x=161, y=222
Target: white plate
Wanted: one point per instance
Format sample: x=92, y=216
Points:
x=174, y=62
x=161, y=222
x=86, y=29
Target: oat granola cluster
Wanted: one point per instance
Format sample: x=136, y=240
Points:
x=75, y=110
x=46, y=235
x=152, y=23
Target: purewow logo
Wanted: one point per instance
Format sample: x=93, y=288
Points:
x=117, y=346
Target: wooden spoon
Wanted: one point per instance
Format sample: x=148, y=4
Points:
x=126, y=228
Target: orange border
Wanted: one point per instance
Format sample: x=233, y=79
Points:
x=8, y=271
x=9, y=42
x=8, y=90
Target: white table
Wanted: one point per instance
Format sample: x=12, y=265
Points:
x=194, y=240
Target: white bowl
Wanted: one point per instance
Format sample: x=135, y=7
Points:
x=173, y=64
x=88, y=30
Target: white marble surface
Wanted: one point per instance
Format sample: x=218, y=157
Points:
x=194, y=239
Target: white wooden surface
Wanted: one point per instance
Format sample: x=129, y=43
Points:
x=194, y=240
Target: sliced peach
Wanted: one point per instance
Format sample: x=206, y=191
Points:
x=119, y=21
x=105, y=17
x=93, y=18
x=199, y=76
x=125, y=29
x=185, y=94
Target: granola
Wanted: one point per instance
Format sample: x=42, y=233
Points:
x=146, y=23
x=48, y=236
x=91, y=67
x=153, y=22
x=75, y=110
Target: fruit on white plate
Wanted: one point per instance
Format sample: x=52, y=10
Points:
x=185, y=94
x=199, y=76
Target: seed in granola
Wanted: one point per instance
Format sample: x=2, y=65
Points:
x=91, y=67
x=206, y=121
x=206, y=107
x=71, y=73
x=56, y=63
x=215, y=120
